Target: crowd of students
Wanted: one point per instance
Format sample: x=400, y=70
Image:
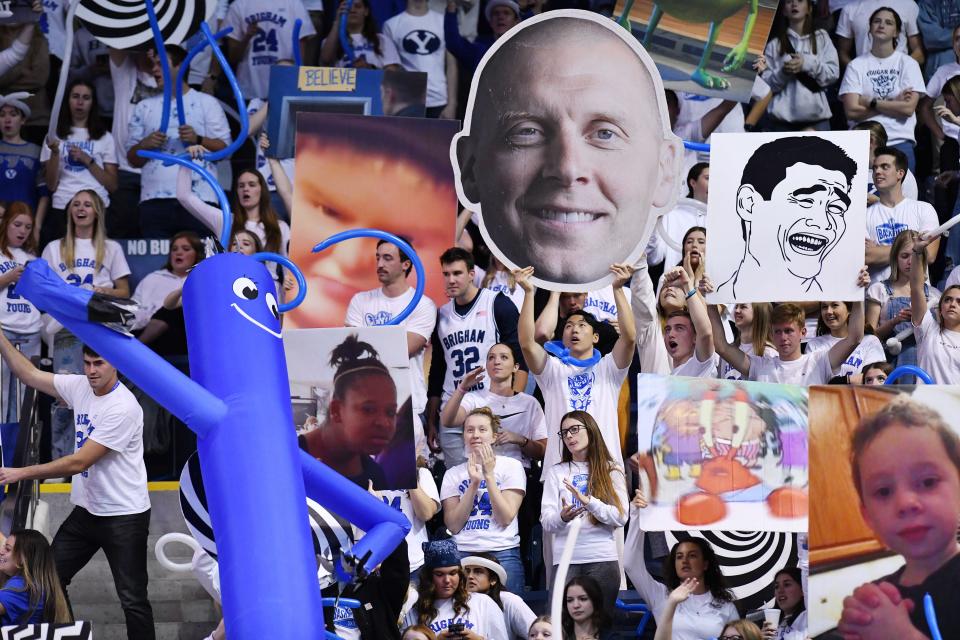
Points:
x=519, y=413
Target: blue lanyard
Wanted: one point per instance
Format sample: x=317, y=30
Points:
x=931, y=616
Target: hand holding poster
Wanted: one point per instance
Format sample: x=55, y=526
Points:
x=791, y=209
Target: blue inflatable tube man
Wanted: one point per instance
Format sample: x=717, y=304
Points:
x=238, y=403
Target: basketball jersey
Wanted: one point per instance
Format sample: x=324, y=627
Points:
x=465, y=339
x=17, y=314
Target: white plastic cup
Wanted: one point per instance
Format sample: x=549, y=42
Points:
x=772, y=616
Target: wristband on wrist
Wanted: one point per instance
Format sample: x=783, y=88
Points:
x=691, y=293
x=873, y=104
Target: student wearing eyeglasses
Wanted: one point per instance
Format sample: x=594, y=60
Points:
x=587, y=484
x=742, y=630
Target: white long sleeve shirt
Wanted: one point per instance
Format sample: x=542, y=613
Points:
x=595, y=542
x=699, y=616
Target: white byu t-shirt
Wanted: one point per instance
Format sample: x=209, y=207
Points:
x=482, y=532
x=116, y=484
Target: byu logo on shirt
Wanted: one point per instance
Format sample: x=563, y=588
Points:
x=883, y=81
x=421, y=42
x=603, y=306
x=75, y=165
x=440, y=625
x=377, y=319
x=580, y=387
x=343, y=617
x=84, y=429
x=887, y=231
x=580, y=481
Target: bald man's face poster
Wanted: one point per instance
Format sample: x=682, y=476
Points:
x=566, y=156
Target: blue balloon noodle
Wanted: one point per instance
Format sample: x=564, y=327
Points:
x=166, y=158
x=164, y=65
x=297, y=58
x=389, y=237
x=931, y=615
x=185, y=66
x=185, y=159
x=349, y=603
x=696, y=146
x=907, y=369
x=241, y=105
x=345, y=37
x=265, y=256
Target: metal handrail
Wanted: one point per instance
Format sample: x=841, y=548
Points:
x=22, y=498
x=636, y=607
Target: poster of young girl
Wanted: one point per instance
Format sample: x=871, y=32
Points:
x=350, y=390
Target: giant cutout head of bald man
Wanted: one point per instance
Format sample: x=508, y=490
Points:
x=567, y=153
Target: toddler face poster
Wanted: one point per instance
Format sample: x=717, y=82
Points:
x=885, y=489
x=355, y=172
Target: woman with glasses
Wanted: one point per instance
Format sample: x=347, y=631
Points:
x=587, y=484
x=742, y=630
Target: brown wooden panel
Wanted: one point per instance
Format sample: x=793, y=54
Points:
x=869, y=400
x=837, y=531
x=841, y=552
x=730, y=31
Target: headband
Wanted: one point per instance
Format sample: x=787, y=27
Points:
x=367, y=367
x=17, y=100
x=477, y=561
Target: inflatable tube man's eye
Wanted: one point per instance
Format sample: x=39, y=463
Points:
x=245, y=288
x=272, y=305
